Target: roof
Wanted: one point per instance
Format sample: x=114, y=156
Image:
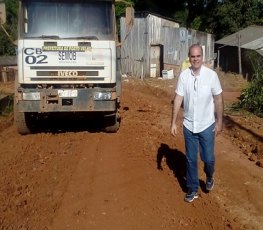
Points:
x=8, y=60
x=143, y=14
x=260, y=52
x=250, y=38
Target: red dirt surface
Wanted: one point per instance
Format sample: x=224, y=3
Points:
x=133, y=179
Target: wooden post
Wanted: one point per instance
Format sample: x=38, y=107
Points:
x=4, y=74
x=218, y=58
x=239, y=54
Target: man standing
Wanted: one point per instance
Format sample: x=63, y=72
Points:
x=200, y=91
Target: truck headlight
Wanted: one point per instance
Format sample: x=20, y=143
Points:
x=100, y=96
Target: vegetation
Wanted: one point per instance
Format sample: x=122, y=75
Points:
x=6, y=105
x=6, y=44
x=251, y=98
x=219, y=17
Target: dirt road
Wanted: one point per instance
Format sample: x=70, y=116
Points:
x=133, y=179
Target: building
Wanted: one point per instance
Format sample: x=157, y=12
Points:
x=241, y=52
x=155, y=43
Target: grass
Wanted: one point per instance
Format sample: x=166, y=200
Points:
x=232, y=81
x=6, y=105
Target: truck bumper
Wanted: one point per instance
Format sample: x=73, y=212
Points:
x=66, y=100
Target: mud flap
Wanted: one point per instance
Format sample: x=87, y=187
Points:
x=112, y=123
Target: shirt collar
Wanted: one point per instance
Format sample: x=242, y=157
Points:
x=192, y=73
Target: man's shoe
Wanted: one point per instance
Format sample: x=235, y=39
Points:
x=190, y=196
x=210, y=184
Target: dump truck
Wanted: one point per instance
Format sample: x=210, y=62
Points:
x=68, y=61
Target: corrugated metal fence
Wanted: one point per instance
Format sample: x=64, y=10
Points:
x=152, y=30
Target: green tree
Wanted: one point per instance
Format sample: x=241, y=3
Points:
x=220, y=17
x=251, y=98
x=229, y=16
x=121, y=5
x=6, y=44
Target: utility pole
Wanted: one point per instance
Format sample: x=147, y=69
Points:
x=239, y=53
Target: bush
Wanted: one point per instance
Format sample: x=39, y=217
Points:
x=251, y=98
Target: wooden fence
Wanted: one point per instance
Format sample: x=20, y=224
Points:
x=7, y=74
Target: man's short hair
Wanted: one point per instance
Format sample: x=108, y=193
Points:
x=195, y=46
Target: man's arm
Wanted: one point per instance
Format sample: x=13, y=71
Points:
x=176, y=107
x=219, y=108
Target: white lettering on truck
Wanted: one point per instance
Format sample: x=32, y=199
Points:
x=67, y=73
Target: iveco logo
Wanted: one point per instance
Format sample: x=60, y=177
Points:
x=67, y=73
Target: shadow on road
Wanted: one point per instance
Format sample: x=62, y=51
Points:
x=66, y=122
x=175, y=160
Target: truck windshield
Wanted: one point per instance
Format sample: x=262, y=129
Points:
x=67, y=19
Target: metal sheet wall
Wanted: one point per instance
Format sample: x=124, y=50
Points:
x=153, y=30
x=134, y=48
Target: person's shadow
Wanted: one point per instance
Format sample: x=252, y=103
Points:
x=175, y=160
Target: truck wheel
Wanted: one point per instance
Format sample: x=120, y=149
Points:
x=112, y=125
x=21, y=120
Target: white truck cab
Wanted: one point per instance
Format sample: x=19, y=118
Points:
x=67, y=61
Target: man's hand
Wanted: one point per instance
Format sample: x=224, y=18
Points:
x=176, y=107
x=174, y=129
x=219, y=107
x=218, y=128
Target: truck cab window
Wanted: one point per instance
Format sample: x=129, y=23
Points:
x=68, y=19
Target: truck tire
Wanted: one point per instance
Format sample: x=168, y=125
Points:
x=21, y=121
x=113, y=128
x=112, y=125
x=20, y=118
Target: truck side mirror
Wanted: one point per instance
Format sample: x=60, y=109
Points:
x=2, y=13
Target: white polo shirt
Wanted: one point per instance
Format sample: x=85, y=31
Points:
x=198, y=92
